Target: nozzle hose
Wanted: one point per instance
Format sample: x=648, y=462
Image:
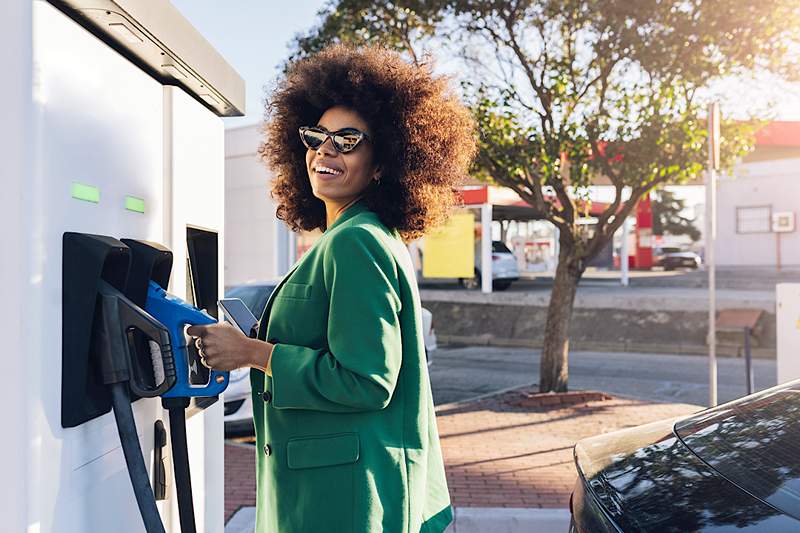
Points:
x=126, y=425
x=180, y=461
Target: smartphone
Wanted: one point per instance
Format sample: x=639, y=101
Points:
x=239, y=315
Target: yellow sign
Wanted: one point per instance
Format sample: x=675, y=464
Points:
x=450, y=250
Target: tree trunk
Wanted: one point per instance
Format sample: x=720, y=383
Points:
x=553, y=371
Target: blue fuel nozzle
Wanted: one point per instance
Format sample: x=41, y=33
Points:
x=193, y=379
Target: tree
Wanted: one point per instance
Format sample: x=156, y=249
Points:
x=667, y=217
x=403, y=25
x=571, y=92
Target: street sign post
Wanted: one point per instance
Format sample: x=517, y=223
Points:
x=711, y=235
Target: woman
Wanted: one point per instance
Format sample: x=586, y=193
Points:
x=368, y=149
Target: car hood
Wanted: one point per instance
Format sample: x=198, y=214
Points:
x=647, y=479
x=688, y=255
x=238, y=385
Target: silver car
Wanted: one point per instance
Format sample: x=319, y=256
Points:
x=504, y=268
x=238, y=402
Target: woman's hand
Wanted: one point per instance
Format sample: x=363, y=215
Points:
x=224, y=347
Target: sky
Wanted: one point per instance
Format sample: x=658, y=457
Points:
x=253, y=36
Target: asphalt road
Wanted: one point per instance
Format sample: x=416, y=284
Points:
x=460, y=373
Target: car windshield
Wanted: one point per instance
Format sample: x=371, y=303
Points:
x=755, y=443
x=499, y=248
x=254, y=296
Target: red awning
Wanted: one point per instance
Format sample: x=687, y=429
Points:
x=504, y=197
x=779, y=133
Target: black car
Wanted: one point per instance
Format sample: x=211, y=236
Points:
x=732, y=467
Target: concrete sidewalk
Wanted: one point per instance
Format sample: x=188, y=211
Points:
x=508, y=457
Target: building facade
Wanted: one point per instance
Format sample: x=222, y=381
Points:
x=257, y=245
x=757, y=205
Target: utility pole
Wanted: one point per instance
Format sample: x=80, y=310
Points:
x=624, y=255
x=711, y=235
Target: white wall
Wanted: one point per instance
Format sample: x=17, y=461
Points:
x=251, y=229
x=775, y=183
x=16, y=140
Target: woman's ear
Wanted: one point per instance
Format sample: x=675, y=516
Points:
x=376, y=176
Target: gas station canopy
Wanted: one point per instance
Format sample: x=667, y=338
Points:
x=507, y=204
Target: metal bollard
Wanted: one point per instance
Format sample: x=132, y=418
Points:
x=748, y=362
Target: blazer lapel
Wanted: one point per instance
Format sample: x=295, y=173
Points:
x=262, y=323
x=352, y=211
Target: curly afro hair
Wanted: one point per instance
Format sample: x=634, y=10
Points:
x=425, y=138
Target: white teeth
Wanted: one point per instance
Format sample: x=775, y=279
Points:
x=328, y=170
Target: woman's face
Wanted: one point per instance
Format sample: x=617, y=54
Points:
x=352, y=172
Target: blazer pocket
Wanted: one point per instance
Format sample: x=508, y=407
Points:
x=329, y=450
x=298, y=291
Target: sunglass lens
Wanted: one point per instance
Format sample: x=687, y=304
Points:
x=346, y=142
x=313, y=138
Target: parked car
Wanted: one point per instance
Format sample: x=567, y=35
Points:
x=238, y=403
x=504, y=268
x=671, y=258
x=732, y=467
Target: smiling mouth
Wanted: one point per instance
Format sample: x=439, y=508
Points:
x=328, y=171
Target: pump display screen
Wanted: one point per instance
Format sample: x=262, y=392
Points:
x=202, y=278
x=202, y=282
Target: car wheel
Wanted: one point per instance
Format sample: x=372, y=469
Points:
x=240, y=428
x=473, y=282
x=501, y=285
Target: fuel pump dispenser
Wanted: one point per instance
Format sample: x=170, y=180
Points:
x=114, y=127
x=130, y=349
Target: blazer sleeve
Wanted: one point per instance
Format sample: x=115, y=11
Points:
x=358, y=370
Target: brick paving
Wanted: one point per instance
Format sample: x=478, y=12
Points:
x=515, y=449
x=512, y=449
x=240, y=477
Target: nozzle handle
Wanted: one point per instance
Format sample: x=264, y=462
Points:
x=119, y=361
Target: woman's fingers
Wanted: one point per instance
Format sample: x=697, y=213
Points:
x=196, y=331
x=220, y=345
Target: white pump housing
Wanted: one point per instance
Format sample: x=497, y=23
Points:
x=94, y=141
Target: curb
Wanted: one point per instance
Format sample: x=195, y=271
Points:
x=459, y=403
x=508, y=520
x=622, y=396
x=466, y=520
x=242, y=521
x=486, y=339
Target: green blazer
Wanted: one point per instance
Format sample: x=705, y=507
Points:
x=345, y=427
